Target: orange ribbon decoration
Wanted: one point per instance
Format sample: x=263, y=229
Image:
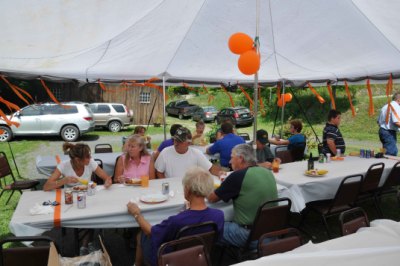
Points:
x=319, y=97
x=17, y=90
x=262, y=109
x=247, y=96
x=371, y=110
x=57, y=209
x=210, y=98
x=49, y=92
x=389, y=88
x=353, y=111
x=230, y=97
x=331, y=96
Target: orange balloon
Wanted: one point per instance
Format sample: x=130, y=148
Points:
x=279, y=102
x=288, y=97
x=249, y=62
x=240, y=43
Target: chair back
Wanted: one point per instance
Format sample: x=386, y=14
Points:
x=96, y=178
x=352, y=220
x=5, y=168
x=347, y=192
x=184, y=251
x=207, y=231
x=284, y=154
x=279, y=242
x=298, y=151
x=33, y=256
x=103, y=148
x=393, y=179
x=372, y=177
x=271, y=216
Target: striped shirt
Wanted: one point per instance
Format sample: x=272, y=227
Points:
x=332, y=132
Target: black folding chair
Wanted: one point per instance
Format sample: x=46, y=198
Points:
x=103, y=148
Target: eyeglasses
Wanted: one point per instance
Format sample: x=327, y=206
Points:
x=51, y=203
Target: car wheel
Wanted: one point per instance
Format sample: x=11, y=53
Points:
x=114, y=126
x=6, y=134
x=180, y=116
x=70, y=133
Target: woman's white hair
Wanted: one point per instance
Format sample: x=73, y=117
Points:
x=198, y=181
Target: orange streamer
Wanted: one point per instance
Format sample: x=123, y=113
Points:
x=331, y=96
x=319, y=97
x=57, y=209
x=10, y=105
x=229, y=95
x=8, y=121
x=49, y=92
x=353, y=111
x=371, y=110
x=204, y=88
x=16, y=91
x=210, y=98
x=262, y=109
x=247, y=97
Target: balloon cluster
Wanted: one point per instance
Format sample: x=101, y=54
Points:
x=249, y=60
x=287, y=98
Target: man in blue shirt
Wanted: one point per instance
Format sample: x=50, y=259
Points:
x=225, y=145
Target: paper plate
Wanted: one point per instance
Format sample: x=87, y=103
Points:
x=153, y=198
x=314, y=174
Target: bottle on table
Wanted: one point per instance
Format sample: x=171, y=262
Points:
x=310, y=163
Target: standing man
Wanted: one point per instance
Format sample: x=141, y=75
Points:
x=175, y=161
x=224, y=146
x=248, y=186
x=389, y=124
x=332, y=137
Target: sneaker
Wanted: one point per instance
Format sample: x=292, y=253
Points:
x=83, y=251
x=91, y=247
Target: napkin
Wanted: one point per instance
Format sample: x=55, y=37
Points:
x=40, y=209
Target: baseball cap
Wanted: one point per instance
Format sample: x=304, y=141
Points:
x=182, y=134
x=262, y=136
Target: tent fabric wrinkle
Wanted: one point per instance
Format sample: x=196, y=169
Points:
x=186, y=40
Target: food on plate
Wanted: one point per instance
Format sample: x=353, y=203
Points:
x=93, y=185
x=316, y=172
x=79, y=188
x=83, y=181
x=133, y=181
x=334, y=158
x=322, y=172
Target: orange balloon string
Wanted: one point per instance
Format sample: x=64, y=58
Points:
x=389, y=87
x=371, y=110
x=319, y=97
x=15, y=90
x=331, y=96
x=353, y=112
x=230, y=97
x=49, y=92
x=247, y=97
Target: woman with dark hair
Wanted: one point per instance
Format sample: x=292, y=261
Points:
x=78, y=168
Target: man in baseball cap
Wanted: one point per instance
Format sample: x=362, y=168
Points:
x=264, y=154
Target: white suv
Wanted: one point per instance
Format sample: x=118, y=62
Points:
x=69, y=120
x=113, y=116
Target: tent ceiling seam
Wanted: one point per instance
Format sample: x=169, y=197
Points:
x=98, y=60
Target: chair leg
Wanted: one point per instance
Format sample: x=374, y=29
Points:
x=326, y=226
x=377, y=201
x=12, y=193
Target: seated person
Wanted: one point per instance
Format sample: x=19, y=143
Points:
x=224, y=146
x=296, y=142
x=332, y=138
x=263, y=152
x=197, y=185
x=167, y=142
x=198, y=136
x=141, y=130
x=135, y=162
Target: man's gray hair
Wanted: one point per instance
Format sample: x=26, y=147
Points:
x=198, y=181
x=246, y=152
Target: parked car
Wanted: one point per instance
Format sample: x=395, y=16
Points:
x=113, y=116
x=237, y=115
x=69, y=120
x=182, y=109
x=206, y=113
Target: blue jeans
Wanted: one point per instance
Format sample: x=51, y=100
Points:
x=236, y=235
x=389, y=141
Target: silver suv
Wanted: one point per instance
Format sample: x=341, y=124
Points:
x=69, y=120
x=113, y=116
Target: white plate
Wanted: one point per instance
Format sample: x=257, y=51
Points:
x=153, y=198
x=314, y=175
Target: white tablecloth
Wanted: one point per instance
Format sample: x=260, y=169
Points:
x=47, y=164
x=107, y=208
x=306, y=189
x=375, y=245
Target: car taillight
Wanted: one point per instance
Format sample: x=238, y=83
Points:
x=88, y=118
x=208, y=113
x=236, y=115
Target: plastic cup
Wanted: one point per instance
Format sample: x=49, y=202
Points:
x=145, y=180
x=275, y=166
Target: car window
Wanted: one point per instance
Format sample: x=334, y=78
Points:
x=59, y=109
x=31, y=110
x=242, y=111
x=102, y=108
x=119, y=108
x=223, y=111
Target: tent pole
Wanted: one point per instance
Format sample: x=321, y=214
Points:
x=283, y=108
x=255, y=100
x=163, y=101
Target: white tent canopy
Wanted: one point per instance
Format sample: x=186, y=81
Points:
x=186, y=40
